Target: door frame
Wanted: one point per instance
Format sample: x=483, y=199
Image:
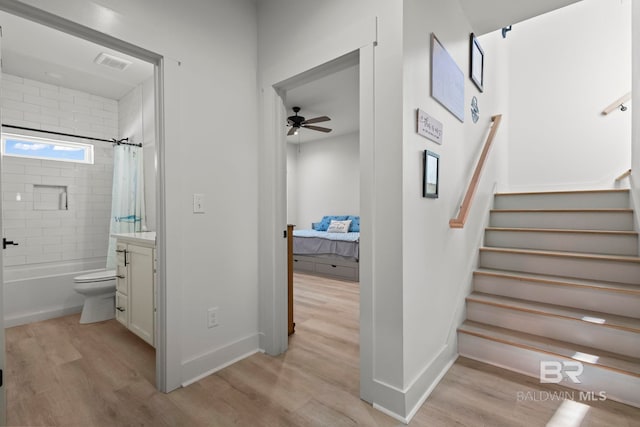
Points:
x=166, y=101
x=272, y=267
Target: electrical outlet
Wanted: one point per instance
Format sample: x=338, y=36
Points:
x=212, y=317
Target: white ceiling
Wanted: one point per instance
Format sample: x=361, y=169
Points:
x=490, y=15
x=39, y=53
x=334, y=95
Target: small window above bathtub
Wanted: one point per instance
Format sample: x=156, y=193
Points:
x=47, y=149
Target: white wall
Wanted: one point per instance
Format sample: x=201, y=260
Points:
x=81, y=232
x=328, y=179
x=566, y=67
x=210, y=76
x=438, y=260
x=137, y=122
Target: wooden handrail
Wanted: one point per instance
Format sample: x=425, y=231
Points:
x=624, y=175
x=617, y=103
x=465, y=207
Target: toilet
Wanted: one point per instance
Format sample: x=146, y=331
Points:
x=99, y=289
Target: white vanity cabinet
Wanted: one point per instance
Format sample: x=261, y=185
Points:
x=135, y=284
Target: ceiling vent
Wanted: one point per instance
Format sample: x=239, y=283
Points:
x=112, y=61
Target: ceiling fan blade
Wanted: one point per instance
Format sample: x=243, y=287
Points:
x=291, y=131
x=318, y=128
x=316, y=120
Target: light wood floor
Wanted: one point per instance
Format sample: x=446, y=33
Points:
x=61, y=373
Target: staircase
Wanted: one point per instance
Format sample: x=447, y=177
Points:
x=559, y=282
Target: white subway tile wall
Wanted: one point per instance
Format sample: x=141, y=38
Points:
x=81, y=232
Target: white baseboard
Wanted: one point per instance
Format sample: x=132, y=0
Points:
x=203, y=365
x=392, y=414
x=25, y=318
x=403, y=404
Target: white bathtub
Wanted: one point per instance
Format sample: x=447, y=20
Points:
x=44, y=291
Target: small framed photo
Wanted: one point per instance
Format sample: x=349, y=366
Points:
x=477, y=63
x=431, y=172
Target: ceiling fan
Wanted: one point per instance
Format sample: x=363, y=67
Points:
x=296, y=122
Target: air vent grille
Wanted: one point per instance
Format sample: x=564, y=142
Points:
x=111, y=61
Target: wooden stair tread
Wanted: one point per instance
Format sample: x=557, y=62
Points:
x=624, y=364
x=603, y=210
x=592, y=317
x=564, y=230
x=561, y=281
x=595, y=257
x=564, y=192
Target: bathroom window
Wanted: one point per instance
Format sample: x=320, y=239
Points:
x=45, y=148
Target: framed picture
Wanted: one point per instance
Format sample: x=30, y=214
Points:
x=477, y=63
x=431, y=172
x=447, y=80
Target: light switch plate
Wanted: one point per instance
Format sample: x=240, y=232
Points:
x=198, y=203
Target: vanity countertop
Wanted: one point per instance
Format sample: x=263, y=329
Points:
x=143, y=237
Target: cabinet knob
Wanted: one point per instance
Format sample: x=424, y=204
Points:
x=120, y=309
x=120, y=276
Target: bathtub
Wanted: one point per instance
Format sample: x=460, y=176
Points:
x=43, y=291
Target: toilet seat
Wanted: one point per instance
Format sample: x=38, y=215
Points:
x=98, y=276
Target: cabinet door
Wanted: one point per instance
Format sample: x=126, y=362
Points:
x=122, y=309
x=141, y=299
x=121, y=268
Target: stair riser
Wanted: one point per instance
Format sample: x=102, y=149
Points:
x=621, y=304
x=609, y=244
x=573, y=331
x=607, y=270
x=617, y=386
x=614, y=221
x=599, y=200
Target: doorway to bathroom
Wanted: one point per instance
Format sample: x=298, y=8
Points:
x=63, y=95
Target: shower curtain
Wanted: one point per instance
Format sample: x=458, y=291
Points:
x=127, y=206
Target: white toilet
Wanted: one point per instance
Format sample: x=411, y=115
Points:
x=99, y=289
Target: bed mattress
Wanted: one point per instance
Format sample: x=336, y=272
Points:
x=312, y=242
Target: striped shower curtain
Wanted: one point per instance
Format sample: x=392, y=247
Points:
x=127, y=206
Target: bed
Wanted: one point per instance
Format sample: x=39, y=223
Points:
x=324, y=252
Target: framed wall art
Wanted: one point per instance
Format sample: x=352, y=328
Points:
x=476, y=68
x=431, y=185
x=447, y=80
x=428, y=127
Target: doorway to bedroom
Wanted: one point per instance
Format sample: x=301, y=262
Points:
x=323, y=202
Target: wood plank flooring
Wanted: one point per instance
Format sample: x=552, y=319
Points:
x=61, y=373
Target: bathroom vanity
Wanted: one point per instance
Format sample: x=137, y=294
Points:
x=135, y=283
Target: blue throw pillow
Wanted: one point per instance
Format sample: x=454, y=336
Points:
x=355, y=223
